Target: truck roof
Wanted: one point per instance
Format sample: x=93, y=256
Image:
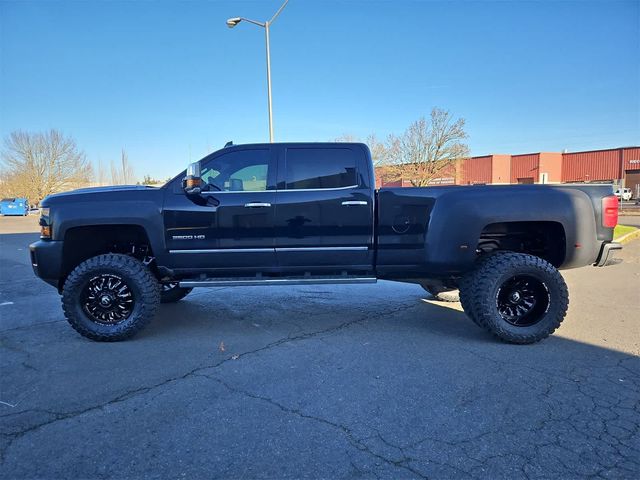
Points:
x=296, y=144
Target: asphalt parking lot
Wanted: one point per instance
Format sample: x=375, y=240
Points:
x=632, y=220
x=362, y=381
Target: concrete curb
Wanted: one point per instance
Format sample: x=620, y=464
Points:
x=628, y=237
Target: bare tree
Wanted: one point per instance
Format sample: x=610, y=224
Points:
x=9, y=185
x=122, y=174
x=101, y=175
x=38, y=164
x=427, y=150
x=379, y=151
x=347, y=138
x=377, y=148
x=149, y=180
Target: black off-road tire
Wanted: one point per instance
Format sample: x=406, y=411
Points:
x=441, y=294
x=142, y=283
x=171, y=293
x=465, y=285
x=484, y=290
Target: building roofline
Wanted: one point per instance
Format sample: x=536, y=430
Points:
x=492, y=155
x=532, y=153
x=604, y=149
x=561, y=153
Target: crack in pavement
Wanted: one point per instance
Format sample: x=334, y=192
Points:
x=33, y=325
x=346, y=431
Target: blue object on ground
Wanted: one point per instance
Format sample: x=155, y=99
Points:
x=14, y=206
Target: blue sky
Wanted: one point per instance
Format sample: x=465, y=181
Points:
x=169, y=82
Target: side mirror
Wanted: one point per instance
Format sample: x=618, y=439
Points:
x=192, y=183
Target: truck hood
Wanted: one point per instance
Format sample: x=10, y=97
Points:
x=116, y=192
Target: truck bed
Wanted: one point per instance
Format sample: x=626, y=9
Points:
x=438, y=229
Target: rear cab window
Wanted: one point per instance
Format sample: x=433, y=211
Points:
x=314, y=168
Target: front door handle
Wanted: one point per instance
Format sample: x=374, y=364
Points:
x=351, y=203
x=256, y=205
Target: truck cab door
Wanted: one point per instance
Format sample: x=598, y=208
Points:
x=324, y=216
x=229, y=227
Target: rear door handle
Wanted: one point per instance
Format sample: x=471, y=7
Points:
x=256, y=205
x=351, y=203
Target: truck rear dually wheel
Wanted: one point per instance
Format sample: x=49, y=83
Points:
x=110, y=297
x=465, y=286
x=519, y=298
x=442, y=294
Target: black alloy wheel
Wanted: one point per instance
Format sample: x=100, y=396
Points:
x=107, y=299
x=523, y=300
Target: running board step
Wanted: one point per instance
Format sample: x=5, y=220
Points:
x=246, y=282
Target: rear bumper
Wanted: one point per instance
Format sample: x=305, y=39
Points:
x=14, y=213
x=46, y=260
x=606, y=256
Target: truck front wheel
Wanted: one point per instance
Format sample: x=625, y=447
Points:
x=110, y=297
x=520, y=298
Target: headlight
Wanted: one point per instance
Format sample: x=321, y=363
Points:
x=45, y=223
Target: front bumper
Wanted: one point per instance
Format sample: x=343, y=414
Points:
x=46, y=260
x=606, y=256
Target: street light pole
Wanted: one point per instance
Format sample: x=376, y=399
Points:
x=232, y=22
x=266, y=33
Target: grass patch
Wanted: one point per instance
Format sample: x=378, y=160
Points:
x=621, y=230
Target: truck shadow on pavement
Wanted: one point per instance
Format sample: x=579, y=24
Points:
x=198, y=315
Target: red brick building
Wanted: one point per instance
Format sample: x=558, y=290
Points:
x=615, y=166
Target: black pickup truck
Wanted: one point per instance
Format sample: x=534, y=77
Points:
x=309, y=213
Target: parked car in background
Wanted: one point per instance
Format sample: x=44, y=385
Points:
x=624, y=194
x=14, y=206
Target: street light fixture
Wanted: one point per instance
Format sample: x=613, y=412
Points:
x=232, y=22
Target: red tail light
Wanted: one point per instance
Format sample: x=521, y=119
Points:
x=610, y=211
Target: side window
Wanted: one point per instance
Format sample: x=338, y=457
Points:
x=237, y=171
x=253, y=177
x=320, y=168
